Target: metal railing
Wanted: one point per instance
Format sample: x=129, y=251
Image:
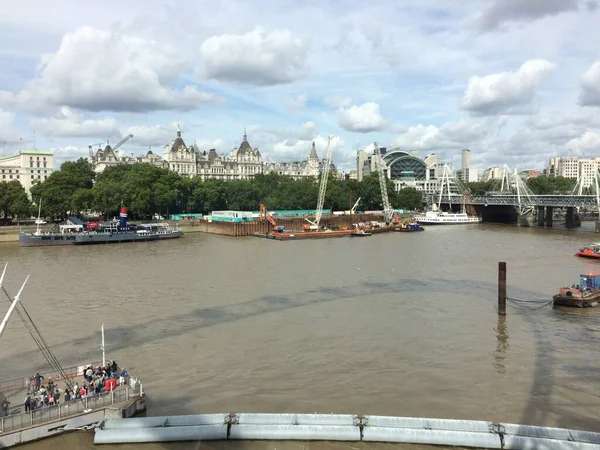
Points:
x=14, y=385
x=71, y=408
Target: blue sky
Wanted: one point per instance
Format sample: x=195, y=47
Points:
x=516, y=81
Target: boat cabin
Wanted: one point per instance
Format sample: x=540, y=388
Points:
x=590, y=280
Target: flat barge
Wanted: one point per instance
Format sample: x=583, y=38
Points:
x=586, y=294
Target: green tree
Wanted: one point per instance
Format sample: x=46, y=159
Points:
x=551, y=185
x=14, y=202
x=409, y=198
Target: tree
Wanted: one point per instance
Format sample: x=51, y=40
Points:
x=13, y=200
x=551, y=185
x=409, y=198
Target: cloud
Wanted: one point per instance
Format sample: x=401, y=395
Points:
x=337, y=102
x=68, y=123
x=505, y=92
x=362, y=119
x=586, y=144
x=6, y=131
x=500, y=12
x=97, y=70
x=590, y=86
x=256, y=58
x=219, y=145
x=147, y=135
x=68, y=153
x=298, y=103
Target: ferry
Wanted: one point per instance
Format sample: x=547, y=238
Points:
x=586, y=294
x=589, y=251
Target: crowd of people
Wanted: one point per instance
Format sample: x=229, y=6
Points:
x=96, y=380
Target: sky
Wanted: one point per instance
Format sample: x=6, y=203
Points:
x=515, y=81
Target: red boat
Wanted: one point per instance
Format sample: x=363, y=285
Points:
x=590, y=252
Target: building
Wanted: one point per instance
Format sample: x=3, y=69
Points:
x=466, y=174
x=310, y=167
x=28, y=167
x=108, y=157
x=574, y=167
x=243, y=163
x=180, y=157
x=492, y=173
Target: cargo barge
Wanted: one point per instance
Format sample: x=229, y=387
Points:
x=586, y=294
x=291, y=235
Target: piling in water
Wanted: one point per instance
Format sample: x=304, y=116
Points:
x=502, y=288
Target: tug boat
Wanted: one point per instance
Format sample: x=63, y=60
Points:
x=586, y=294
x=409, y=227
x=589, y=251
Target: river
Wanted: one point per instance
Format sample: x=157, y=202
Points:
x=400, y=324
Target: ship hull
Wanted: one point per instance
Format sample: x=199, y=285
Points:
x=45, y=240
x=171, y=235
x=115, y=238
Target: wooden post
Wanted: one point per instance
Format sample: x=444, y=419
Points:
x=502, y=288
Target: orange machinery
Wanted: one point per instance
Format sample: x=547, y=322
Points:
x=269, y=217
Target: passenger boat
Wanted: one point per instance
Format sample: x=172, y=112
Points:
x=65, y=236
x=589, y=251
x=583, y=295
x=360, y=233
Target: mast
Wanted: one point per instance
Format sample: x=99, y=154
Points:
x=38, y=231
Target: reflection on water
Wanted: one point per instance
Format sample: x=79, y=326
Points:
x=400, y=324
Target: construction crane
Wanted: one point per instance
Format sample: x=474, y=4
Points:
x=388, y=212
x=92, y=151
x=323, y=184
x=353, y=210
x=121, y=142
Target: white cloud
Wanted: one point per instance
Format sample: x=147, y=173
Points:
x=68, y=153
x=362, y=119
x=586, y=144
x=6, y=130
x=298, y=103
x=500, y=12
x=97, y=70
x=157, y=135
x=204, y=145
x=256, y=58
x=590, y=86
x=505, y=92
x=68, y=123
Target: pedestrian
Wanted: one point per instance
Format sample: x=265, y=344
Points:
x=28, y=403
x=6, y=407
x=38, y=381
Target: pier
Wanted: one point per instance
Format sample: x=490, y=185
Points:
x=19, y=426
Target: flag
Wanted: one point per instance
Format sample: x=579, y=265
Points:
x=20, y=138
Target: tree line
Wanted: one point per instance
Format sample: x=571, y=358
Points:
x=147, y=190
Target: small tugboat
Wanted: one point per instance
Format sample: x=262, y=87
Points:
x=409, y=226
x=589, y=251
x=586, y=294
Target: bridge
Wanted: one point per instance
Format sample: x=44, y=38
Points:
x=557, y=201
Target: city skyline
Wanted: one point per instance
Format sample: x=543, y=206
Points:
x=515, y=82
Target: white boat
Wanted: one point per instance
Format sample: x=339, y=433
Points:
x=438, y=217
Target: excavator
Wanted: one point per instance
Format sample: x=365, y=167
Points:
x=269, y=217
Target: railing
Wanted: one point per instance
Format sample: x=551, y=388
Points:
x=71, y=408
x=13, y=385
x=535, y=200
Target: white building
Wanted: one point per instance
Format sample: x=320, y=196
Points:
x=108, y=157
x=180, y=157
x=467, y=174
x=28, y=167
x=310, y=167
x=243, y=163
x=492, y=173
x=574, y=167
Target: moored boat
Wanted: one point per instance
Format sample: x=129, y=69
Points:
x=583, y=295
x=589, y=251
x=409, y=227
x=360, y=233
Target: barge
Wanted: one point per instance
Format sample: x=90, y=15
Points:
x=586, y=294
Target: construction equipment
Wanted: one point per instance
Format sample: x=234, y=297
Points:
x=353, y=210
x=323, y=184
x=388, y=212
x=264, y=213
x=121, y=142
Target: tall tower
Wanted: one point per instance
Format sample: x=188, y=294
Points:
x=466, y=159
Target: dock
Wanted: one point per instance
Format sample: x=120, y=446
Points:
x=20, y=427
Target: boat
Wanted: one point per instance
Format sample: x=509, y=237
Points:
x=407, y=227
x=360, y=233
x=586, y=294
x=438, y=217
x=114, y=232
x=65, y=236
x=589, y=251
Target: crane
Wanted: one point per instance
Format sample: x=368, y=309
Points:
x=269, y=217
x=323, y=184
x=388, y=212
x=122, y=141
x=355, y=205
x=92, y=151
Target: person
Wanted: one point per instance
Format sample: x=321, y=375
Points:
x=6, y=407
x=28, y=403
x=38, y=380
